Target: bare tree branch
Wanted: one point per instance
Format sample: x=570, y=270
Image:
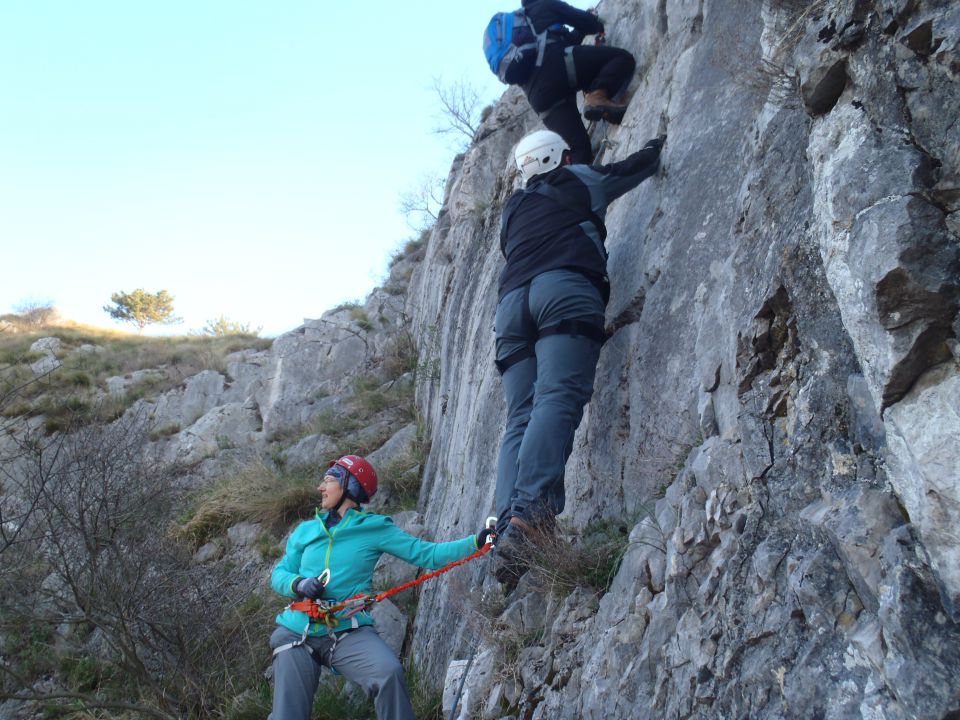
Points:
x=460, y=108
x=421, y=204
x=93, y=551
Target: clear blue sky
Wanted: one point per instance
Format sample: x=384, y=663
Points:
x=246, y=156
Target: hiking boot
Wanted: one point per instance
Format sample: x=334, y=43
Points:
x=509, y=563
x=597, y=106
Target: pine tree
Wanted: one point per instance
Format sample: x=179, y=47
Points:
x=142, y=308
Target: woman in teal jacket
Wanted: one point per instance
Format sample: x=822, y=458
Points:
x=332, y=558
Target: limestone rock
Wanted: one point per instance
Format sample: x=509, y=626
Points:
x=243, y=535
x=391, y=624
x=774, y=415
x=49, y=347
x=208, y=553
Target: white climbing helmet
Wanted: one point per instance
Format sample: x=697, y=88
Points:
x=539, y=152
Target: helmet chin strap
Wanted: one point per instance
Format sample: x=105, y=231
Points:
x=343, y=496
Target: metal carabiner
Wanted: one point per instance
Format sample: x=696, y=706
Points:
x=324, y=577
x=491, y=524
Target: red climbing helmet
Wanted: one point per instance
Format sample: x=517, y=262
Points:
x=360, y=469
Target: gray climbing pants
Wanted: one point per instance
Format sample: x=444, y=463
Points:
x=545, y=393
x=360, y=656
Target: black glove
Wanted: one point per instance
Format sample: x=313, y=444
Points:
x=656, y=143
x=483, y=535
x=310, y=587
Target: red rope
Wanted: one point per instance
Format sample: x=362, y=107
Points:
x=316, y=613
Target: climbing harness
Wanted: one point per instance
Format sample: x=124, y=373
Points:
x=572, y=326
x=330, y=612
x=324, y=579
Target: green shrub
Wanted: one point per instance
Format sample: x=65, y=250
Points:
x=123, y=353
x=337, y=425
x=29, y=357
x=350, y=305
x=18, y=408
x=253, y=704
x=82, y=673
x=427, y=700
x=400, y=356
x=28, y=649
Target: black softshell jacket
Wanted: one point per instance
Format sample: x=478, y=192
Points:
x=538, y=233
x=546, y=13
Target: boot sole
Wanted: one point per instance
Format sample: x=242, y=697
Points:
x=611, y=115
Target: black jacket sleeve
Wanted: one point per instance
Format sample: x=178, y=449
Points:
x=636, y=162
x=608, y=182
x=544, y=13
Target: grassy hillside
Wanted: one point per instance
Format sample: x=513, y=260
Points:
x=77, y=392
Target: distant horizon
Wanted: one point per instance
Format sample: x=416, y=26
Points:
x=162, y=329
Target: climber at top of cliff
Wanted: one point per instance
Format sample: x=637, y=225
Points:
x=550, y=326
x=552, y=73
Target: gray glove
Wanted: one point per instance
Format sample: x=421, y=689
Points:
x=310, y=587
x=483, y=535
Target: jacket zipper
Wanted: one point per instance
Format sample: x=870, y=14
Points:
x=326, y=560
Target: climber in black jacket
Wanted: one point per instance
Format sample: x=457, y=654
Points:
x=567, y=66
x=550, y=325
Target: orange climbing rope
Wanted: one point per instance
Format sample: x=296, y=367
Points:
x=430, y=575
x=328, y=613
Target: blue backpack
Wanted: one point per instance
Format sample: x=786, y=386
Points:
x=513, y=47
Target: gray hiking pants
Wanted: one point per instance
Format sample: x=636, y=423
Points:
x=545, y=394
x=360, y=655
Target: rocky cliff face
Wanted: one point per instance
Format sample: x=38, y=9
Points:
x=781, y=386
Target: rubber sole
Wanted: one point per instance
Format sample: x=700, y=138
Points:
x=610, y=114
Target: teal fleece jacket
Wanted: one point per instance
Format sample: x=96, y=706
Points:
x=350, y=550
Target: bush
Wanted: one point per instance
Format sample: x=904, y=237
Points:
x=88, y=554
x=589, y=559
x=32, y=314
x=223, y=327
x=401, y=478
x=400, y=356
x=360, y=317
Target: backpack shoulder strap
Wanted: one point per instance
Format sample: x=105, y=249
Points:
x=558, y=196
x=567, y=200
x=542, y=38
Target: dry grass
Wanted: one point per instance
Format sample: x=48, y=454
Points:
x=256, y=493
x=75, y=393
x=589, y=559
x=402, y=477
